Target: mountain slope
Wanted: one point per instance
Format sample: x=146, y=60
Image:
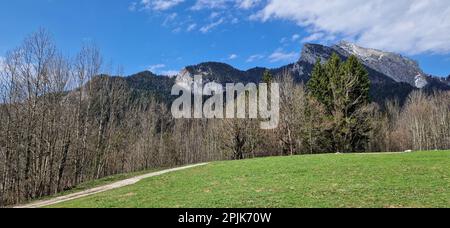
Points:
x=222, y=73
x=392, y=75
x=393, y=65
x=447, y=80
x=383, y=87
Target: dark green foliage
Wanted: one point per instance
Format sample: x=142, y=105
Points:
x=352, y=85
x=267, y=77
x=147, y=84
x=344, y=90
x=224, y=73
x=319, y=86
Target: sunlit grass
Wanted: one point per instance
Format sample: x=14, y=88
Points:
x=420, y=179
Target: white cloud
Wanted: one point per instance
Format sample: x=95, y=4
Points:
x=233, y=56
x=133, y=6
x=247, y=4
x=157, y=5
x=295, y=37
x=191, y=27
x=313, y=37
x=210, y=4
x=159, y=69
x=225, y=4
x=169, y=19
x=214, y=15
x=221, y=11
x=254, y=58
x=207, y=28
x=156, y=67
x=409, y=26
x=281, y=56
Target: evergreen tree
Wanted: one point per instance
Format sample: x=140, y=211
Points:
x=353, y=87
x=350, y=86
x=267, y=77
x=343, y=89
x=319, y=85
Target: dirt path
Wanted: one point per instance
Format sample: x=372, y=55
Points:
x=96, y=190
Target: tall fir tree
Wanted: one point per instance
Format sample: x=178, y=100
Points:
x=343, y=89
x=350, y=88
x=267, y=77
x=319, y=85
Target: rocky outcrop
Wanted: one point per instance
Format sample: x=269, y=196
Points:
x=396, y=66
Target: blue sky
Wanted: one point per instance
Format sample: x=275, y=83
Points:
x=166, y=35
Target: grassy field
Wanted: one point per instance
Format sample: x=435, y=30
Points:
x=420, y=179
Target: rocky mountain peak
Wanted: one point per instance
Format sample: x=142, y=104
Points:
x=312, y=52
x=363, y=53
x=392, y=75
x=396, y=66
x=184, y=76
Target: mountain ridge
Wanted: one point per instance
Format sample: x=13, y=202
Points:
x=392, y=75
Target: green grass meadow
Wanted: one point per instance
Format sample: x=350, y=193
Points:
x=419, y=179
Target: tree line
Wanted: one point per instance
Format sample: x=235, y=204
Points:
x=64, y=123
